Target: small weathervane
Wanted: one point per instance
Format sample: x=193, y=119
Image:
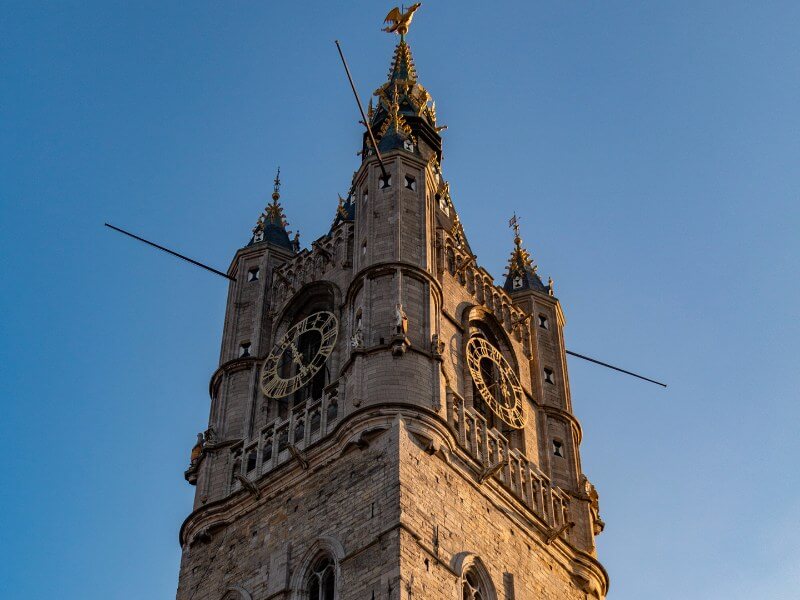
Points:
x=400, y=21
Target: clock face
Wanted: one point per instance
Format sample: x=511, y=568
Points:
x=496, y=381
x=299, y=355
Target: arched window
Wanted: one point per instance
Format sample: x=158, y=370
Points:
x=472, y=588
x=317, y=576
x=474, y=578
x=321, y=584
x=451, y=261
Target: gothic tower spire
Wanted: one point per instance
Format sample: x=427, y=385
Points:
x=521, y=271
x=272, y=223
x=386, y=421
x=405, y=115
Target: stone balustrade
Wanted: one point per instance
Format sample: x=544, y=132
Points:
x=518, y=474
x=304, y=424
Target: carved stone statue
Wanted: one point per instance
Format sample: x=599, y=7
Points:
x=296, y=241
x=590, y=493
x=210, y=436
x=437, y=345
x=401, y=320
x=197, y=450
x=357, y=341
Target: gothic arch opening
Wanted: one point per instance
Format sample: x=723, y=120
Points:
x=321, y=579
x=474, y=580
x=318, y=576
x=311, y=299
x=482, y=324
x=237, y=593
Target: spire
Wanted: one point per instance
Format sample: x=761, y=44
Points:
x=521, y=274
x=346, y=209
x=404, y=116
x=271, y=224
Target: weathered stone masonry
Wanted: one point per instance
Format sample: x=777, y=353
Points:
x=387, y=476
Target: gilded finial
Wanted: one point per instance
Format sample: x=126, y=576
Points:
x=520, y=259
x=276, y=190
x=274, y=211
x=400, y=21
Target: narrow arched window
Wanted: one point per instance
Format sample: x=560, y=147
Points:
x=451, y=261
x=322, y=580
x=472, y=587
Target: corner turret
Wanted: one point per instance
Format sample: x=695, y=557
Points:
x=521, y=274
x=272, y=223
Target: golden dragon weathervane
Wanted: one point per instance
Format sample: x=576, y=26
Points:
x=400, y=21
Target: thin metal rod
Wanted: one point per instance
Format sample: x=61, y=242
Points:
x=597, y=362
x=361, y=110
x=168, y=251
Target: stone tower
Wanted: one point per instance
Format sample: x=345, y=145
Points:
x=387, y=422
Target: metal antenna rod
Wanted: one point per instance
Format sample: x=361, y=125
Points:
x=361, y=110
x=168, y=251
x=597, y=362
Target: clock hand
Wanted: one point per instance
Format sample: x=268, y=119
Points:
x=298, y=360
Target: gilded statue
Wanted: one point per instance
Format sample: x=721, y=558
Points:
x=400, y=21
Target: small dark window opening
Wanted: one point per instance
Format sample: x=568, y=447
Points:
x=386, y=181
x=411, y=183
x=558, y=448
x=548, y=376
x=252, y=457
x=244, y=349
x=543, y=322
x=365, y=197
x=451, y=261
x=252, y=274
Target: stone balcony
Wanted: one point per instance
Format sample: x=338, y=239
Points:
x=285, y=438
x=515, y=471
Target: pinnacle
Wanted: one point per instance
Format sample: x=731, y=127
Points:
x=402, y=69
x=272, y=223
x=521, y=271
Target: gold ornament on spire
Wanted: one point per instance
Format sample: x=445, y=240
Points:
x=520, y=260
x=400, y=21
x=395, y=119
x=276, y=190
x=274, y=211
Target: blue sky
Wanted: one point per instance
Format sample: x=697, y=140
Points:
x=651, y=150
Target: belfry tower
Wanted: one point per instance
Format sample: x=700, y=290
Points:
x=387, y=422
